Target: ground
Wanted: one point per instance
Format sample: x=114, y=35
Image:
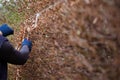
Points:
x=73, y=40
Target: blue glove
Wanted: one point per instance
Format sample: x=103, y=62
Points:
x=28, y=43
x=6, y=30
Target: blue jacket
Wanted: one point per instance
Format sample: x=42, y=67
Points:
x=3, y=65
x=9, y=55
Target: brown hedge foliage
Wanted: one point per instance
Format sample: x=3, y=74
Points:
x=74, y=40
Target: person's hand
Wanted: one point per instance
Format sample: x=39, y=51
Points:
x=0, y=33
x=6, y=30
x=28, y=43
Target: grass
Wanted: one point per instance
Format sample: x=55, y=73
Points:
x=11, y=15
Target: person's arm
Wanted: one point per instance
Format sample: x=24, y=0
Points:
x=10, y=55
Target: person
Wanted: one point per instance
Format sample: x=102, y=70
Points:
x=8, y=54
